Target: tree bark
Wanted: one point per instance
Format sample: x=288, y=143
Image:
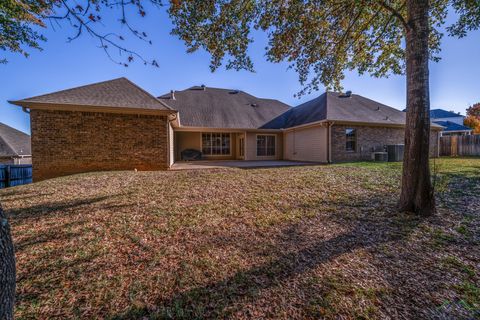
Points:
x=417, y=192
x=7, y=269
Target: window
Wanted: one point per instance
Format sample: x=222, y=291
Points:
x=214, y=144
x=351, y=135
x=265, y=145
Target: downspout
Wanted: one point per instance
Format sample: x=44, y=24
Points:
x=171, y=156
x=168, y=144
x=329, y=142
x=171, y=119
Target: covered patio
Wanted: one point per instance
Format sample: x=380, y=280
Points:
x=243, y=164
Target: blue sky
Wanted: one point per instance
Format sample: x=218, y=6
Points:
x=454, y=81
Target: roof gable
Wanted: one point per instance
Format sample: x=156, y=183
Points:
x=117, y=93
x=333, y=106
x=13, y=142
x=223, y=108
x=356, y=108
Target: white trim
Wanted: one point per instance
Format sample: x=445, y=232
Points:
x=75, y=107
x=232, y=130
x=356, y=123
x=306, y=125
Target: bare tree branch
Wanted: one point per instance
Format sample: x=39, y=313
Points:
x=82, y=19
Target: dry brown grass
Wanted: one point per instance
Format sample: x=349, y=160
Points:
x=299, y=242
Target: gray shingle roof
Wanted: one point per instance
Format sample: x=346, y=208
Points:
x=333, y=106
x=120, y=93
x=13, y=142
x=440, y=113
x=223, y=108
x=452, y=126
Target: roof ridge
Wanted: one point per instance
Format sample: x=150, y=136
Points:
x=147, y=93
x=119, y=93
x=448, y=113
x=290, y=107
x=165, y=96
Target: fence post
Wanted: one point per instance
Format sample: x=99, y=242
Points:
x=7, y=176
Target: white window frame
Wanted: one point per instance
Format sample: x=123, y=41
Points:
x=217, y=155
x=275, y=145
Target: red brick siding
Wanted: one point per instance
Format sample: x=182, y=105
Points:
x=66, y=142
x=369, y=139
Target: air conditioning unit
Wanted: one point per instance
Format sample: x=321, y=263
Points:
x=395, y=152
x=380, y=156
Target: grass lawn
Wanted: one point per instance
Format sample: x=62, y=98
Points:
x=297, y=242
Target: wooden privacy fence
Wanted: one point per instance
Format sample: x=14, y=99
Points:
x=460, y=145
x=14, y=175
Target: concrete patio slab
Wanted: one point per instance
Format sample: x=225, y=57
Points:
x=197, y=165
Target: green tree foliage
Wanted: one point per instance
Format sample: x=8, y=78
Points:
x=17, y=22
x=320, y=39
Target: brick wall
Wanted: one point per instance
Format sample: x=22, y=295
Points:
x=66, y=142
x=369, y=139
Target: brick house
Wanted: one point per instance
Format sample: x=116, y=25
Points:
x=116, y=125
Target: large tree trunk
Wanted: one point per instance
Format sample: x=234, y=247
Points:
x=7, y=270
x=417, y=192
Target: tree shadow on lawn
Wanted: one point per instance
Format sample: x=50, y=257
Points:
x=426, y=262
x=54, y=256
x=61, y=209
x=222, y=299
x=50, y=209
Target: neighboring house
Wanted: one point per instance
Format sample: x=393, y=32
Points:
x=116, y=125
x=14, y=146
x=451, y=121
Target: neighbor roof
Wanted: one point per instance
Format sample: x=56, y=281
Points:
x=334, y=106
x=118, y=93
x=452, y=126
x=223, y=108
x=440, y=113
x=13, y=142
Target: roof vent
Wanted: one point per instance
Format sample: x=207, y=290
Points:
x=203, y=87
x=234, y=91
x=253, y=105
x=172, y=94
x=347, y=94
